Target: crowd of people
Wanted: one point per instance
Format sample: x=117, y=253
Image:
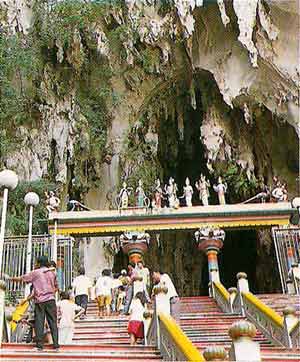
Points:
x=51, y=318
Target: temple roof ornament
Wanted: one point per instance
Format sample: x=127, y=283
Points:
x=210, y=238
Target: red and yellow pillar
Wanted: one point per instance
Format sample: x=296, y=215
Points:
x=210, y=241
x=135, y=245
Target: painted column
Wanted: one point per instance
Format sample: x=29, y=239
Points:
x=210, y=241
x=135, y=244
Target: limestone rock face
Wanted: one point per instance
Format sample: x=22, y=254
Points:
x=145, y=89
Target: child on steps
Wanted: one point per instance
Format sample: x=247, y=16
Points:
x=67, y=310
x=136, y=320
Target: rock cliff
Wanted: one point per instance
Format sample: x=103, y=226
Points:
x=94, y=92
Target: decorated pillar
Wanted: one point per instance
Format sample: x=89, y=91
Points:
x=135, y=244
x=210, y=241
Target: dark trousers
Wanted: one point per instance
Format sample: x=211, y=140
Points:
x=48, y=310
x=128, y=299
x=82, y=300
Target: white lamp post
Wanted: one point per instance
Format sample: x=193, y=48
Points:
x=8, y=181
x=31, y=199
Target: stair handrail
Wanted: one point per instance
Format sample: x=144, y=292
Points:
x=174, y=344
x=295, y=335
x=267, y=320
x=222, y=297
x=168, y=337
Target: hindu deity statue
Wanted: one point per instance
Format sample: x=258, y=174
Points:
x=158, y=193
x=52, y=201
x=221, y=189
x=188, y=192
x=203, y=188
x=280, y=193
x=123, y=196
x=140, y=195
x=171, y=192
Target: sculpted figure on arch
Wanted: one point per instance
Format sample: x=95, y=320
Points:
x=221, y=189
x=188, y=192
x=203, y=186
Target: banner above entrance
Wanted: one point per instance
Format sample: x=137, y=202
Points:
x=110, y=222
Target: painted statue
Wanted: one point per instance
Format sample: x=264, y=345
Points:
x=171, y=192
x=158, y=193
x=188, y=192
x=52, y=201
x=123, y=196
x=140, y=195
x=221, y=189
x=280, y=193
x=203, y=187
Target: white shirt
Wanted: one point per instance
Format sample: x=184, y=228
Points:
x=104, y=286
x=116, y=283
x=81, y=285
x=138, y=285
x=136, y=310
x=146, y=276
x=166, y=281
x=162, y=303
x=68, y=311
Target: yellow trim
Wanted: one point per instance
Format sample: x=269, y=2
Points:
x=222, y=290
x=155, y=226
x=262, y=307
x=190, y=352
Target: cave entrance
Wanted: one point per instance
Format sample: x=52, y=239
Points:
x=180, y=151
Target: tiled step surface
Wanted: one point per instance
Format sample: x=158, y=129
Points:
x=279, y=301
x=205, y=324
x=94, y=340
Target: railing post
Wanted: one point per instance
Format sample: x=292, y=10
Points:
x=242, y=287
x=290, y=287
x=232, y=295
x=156, y=321
x=215, y=353
x=243, y=348
x=2, y=303
x=289, y=316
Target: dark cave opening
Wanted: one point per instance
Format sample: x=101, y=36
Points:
x=182, y=154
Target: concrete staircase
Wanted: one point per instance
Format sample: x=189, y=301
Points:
x=107, y=339
x=94, y=340
x=205, y=324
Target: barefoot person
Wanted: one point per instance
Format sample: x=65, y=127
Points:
x=104, y=287
x=136, y=319
x=68, y=312
x=44, y=284
x=82, y=289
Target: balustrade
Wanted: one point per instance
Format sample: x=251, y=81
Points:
x=173, y=344
x=222, y=297
x=295, y=335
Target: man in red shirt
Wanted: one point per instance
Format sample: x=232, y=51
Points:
x=44, y=284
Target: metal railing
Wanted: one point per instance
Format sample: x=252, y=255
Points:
x=269, y=322
x=14, y=261
x=169, y=338
x=287, y=247
x=295, y=335
x=222, y=297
